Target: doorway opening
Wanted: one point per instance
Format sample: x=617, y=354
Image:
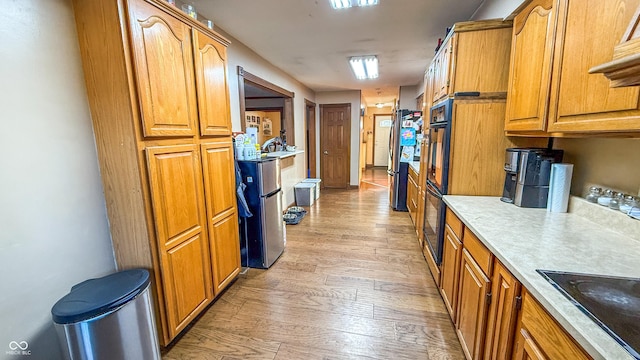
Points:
x=265, y=107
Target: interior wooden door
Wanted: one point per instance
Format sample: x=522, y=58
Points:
x=211, y=79
x=530, y=71
x=586, y=36
x=335, y=137
x=175, y=181
x=164, y=71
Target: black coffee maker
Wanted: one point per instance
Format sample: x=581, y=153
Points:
x=533, y=175
x=511, y=160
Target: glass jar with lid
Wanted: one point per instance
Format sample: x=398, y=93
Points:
x=628, y=203
x=616, y=201
x=605, y=198
x=594, y=194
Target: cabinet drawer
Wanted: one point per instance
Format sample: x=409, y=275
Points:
x=454, y=223
x=537, y=327
x=478, y=251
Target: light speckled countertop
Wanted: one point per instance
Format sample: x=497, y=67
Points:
x=528, y=239
x=415, y=165
x=284, y=154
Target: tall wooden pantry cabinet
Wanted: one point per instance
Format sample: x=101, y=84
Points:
x=157, y=88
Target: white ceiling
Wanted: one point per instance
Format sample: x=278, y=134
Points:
x=312, y=42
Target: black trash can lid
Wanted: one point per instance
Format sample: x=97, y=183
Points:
x=94, y=297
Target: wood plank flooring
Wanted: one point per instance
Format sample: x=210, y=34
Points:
x=351, y=284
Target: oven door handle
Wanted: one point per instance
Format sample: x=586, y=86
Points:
x=432, y=190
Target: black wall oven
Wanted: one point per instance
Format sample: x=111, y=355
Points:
x=439, y=137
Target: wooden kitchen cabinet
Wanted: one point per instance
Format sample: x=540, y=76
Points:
x=503, y=310
x=412, y=194
x=175, y=180
x=219, y=186
x=157, y=90
x=450, y=266
x=473, y=303
x=538, y=335
x=585, y=37
x=472, y=58
x=530, y=71
x=213, y=90
x=163, y=59
x=554, y=45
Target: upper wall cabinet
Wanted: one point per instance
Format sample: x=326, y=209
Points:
x=550, y=88
x=471, y=59
x=164, y=71
x=213, y=92
x=530, y=75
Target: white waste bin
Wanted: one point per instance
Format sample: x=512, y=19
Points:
x=108, y=318
x=317, y=185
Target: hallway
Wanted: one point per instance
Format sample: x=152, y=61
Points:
x=351, y=284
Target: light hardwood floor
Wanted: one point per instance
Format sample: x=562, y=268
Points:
x=351, y=284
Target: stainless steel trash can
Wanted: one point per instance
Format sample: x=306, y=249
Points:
x=108, y=318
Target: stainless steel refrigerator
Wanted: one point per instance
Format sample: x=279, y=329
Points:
x=402, y=149
x=262, y=235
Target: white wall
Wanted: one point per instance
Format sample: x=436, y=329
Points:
x=238, y=54
x=54, y=230
x=495, y=9
x=408, y=95
x=353, y=98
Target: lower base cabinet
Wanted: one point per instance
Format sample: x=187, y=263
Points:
x=538, y=335
x=494, y=317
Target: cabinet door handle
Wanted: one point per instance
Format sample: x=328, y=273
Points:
x=325, y=152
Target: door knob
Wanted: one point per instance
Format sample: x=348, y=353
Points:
x=325, y=152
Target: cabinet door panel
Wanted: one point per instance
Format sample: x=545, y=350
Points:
x=219, y=178
x=502, y=317
x=530, y=73
x=176, y=199
x=472, y=306
x=451, y=255
x=176, y=193
x=587, y=34
x=164, y=71
x=225, y=247
x=211, y=79
x=527, y=348
x=186, y=278
x=542, y=332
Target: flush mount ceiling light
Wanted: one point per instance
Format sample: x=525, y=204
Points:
x=364, y=67
x=379, y=105
x=343, y=4
x=367, y=2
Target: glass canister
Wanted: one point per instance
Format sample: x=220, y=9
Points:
x=605, y=198
x=190, y=10
x=594, y=194
x=628, y=203
x=616, y=201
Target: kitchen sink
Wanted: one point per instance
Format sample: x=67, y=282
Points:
x=612, y=302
